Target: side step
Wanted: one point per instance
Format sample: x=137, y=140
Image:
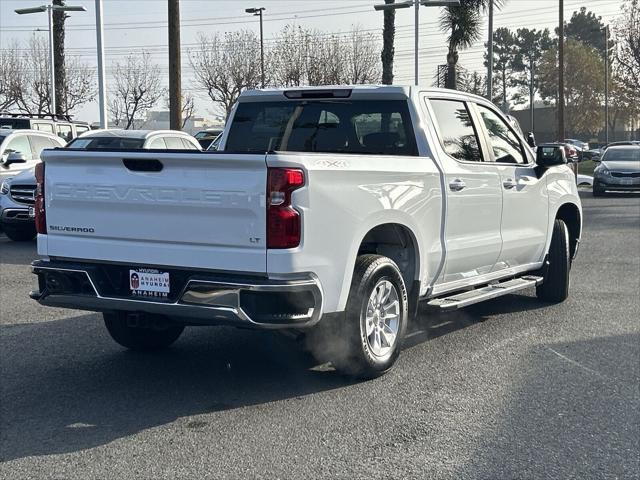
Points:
x=485, y=293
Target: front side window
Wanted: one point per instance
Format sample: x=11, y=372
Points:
x=330, y=126
x=502, y=140
x=19, y=144
x=40, y=143
x=80, y=129
x=457, y=133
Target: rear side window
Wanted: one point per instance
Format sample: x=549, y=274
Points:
x=456, y=130
x=188, y=145
x=503, y=141
x=19, y=144
x=343, y=126
x=174, y=143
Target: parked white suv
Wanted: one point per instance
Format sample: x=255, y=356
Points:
x=330, y=211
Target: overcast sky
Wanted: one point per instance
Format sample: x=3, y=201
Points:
x=133, y=25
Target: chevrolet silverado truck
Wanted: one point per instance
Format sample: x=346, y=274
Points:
x=326, y=211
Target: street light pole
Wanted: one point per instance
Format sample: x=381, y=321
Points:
x=102, y=88
x=416, y=4
x=561, y=131
x=257, y=12
x=50, y=9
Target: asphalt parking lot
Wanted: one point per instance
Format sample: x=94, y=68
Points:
x=509, y=389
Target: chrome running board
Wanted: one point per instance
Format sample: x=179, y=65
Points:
x=488, y=292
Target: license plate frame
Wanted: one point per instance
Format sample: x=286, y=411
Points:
x=149, y=283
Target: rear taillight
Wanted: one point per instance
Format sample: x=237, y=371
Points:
x=283, y=221
x=39, y=207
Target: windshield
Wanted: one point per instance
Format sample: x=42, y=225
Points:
x=622, y=155
x=113, y=143
x=338, y=126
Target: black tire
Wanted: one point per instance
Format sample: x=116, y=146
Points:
x=20, y=234
x=155, y=335
x=555, y=286
x=351, y=352
x=597, y=190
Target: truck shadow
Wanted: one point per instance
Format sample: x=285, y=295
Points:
x=73, y=388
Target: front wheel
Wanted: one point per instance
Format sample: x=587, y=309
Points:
x=20, y=234
x=555, y=284
x=598, y=191
x=371, y=332
x=156, y=333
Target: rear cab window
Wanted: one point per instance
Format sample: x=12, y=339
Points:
x=328, y=126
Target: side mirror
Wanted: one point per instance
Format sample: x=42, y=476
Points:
x=531, y=140
x=550, y=156
x=15, y=157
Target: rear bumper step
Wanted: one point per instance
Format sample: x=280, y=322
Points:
x=204, y=299
x=477, y=295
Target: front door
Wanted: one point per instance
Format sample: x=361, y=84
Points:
x=525, y=204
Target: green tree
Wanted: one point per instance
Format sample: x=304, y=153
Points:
x=530, y=46
x=584, y=74
x=504, y=52
x=587, y=28
x=464, y=24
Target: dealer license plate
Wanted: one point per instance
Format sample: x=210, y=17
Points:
x=149, y=282
x=627, y=181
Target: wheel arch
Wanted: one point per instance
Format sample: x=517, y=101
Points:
x=571, y=215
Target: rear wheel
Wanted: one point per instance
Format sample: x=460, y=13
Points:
x=20, y=234
x=555, y=285
x=367, y=340
x=152, y=333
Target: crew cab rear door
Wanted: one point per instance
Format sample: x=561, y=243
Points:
x=192, y=209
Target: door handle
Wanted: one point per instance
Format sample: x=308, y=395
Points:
x=509, y=184
x=457, y=185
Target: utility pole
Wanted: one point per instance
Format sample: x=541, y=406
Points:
x=257, y=12
x=490, y=62
x=561, y=131
x=175, y=65
x=606, y=84
x=102, y=88
x=531, y=93
x=59, y=17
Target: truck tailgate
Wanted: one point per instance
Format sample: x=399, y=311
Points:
x=198, y=210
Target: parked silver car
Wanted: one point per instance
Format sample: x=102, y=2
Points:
x=618, y=170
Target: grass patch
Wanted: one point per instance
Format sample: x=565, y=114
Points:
x=586, y=167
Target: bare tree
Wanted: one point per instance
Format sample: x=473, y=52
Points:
x=11, y=78
x=137, y=88
x=188, y=107
x=79, y=87
x=361, y=57
x=226, y=66
x=627, y=56
x=288, y=54
x=35, y=96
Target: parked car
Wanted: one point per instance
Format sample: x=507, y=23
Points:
x=20, y=149
x=333, y=214
x=585, y=180
x=215, y=144
x=578, y=144
x=207, y=137
x=135, y=139
x=17, y=192
x=618, y=170
x=61, y=125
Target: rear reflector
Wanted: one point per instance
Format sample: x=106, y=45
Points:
x=283, y=221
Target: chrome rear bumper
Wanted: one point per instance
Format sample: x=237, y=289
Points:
x=204, y=299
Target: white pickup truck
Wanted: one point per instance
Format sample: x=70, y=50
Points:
x=331, y=211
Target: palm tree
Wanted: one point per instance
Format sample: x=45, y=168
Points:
x=464, y=26
x=388, y=38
